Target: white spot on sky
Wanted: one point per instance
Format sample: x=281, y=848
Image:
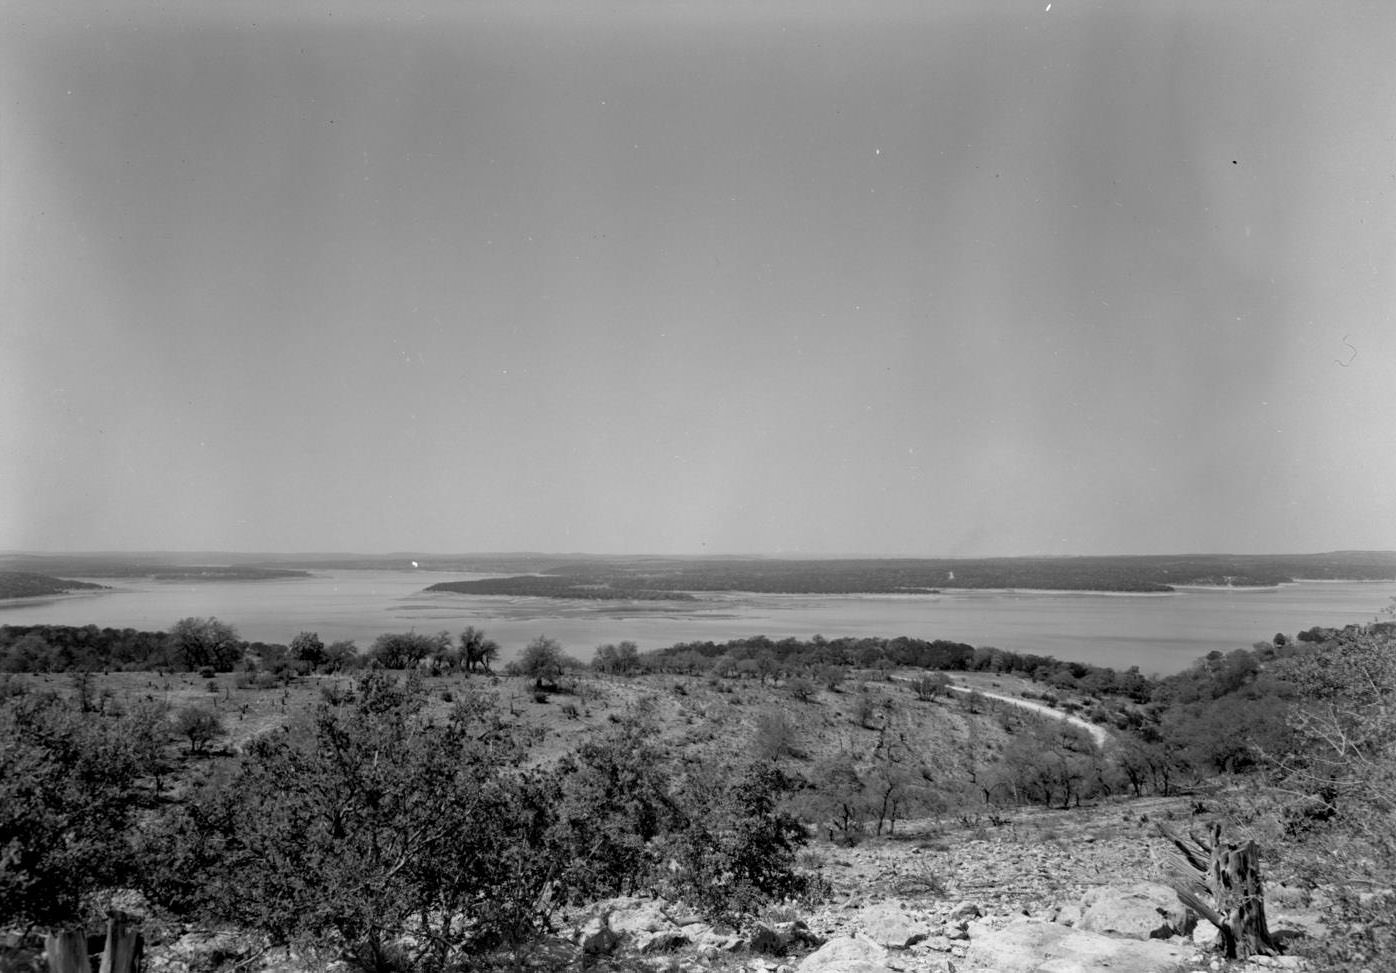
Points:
x=1047, y=8
x=414, y=564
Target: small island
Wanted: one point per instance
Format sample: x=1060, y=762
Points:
x=26, y=584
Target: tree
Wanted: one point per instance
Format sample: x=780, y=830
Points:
x=67, y=810
x=199, y=642
x=931, y=686
x=477, y=650
x=200, y=724
x=393, y=841
x=405, y=650
x=737, y=849
x=307, y=647
x=616, y=804
x=622, y=659
x=543, y=660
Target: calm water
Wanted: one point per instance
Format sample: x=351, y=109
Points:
x=1158, y=633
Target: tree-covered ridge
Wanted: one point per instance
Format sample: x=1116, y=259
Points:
x=657, y=577
x=27, y=584
x=550, y=586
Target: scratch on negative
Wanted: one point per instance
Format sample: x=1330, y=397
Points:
x=1345, y=364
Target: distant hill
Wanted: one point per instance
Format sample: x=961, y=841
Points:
x=163, y=567
x=26, y=584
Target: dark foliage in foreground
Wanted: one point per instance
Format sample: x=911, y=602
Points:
x=66, y=807
x=398, y=842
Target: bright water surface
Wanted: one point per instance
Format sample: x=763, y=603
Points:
x=1158, y=633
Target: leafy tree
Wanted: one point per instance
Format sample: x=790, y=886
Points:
x=200, y=725
x=199, y=642
x=837, y=797
x=830, y=676
x=395, y=842
x=66, y=810
x=931, y=686
x=616, y=803
x=621, y=659
x=477, y=650
x=776, y=737
x=737, y=850
x=404, y=650
x=340, y=654
x=542, y=660
x=30, y=653
x=307, y=647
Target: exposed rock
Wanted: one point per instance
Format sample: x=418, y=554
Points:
x=890, y=925
x=847, y=954
x=596, y=937
x=1145, y=910
x=634, y=916
x=1034, y=946
x=710, y=940
x=1282, y=896
x=964, y=911
x=1069, y=914
x=1205, y=935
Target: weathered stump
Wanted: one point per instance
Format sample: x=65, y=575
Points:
x=66, y=951
x=1229, y=876
x=125, y=947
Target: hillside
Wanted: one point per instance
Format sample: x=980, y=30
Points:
x=751, y=818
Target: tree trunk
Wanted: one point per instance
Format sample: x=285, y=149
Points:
x=67, y=951
x=1234, y=878
x=125, y=947
x=1229, y=875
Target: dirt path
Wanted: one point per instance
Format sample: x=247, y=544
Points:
x=1098, y=733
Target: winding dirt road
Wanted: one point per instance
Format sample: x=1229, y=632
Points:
x=1098, y=733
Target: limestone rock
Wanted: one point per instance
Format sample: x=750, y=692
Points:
x=890, y=925
x=1034, y=946
x=846, y=954
x=636, y=916
x=596, y=938
x=1144, y=910
x=965, y=911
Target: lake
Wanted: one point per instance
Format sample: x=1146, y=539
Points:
x=1160, y=633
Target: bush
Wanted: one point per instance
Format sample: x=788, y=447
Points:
x=68, y=801
x=372, y=834
x=737, y=850
x=200, y=724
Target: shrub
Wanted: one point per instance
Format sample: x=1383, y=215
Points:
x=390, y=841
x=200, y=724
x=737, y=849
x=67, y=808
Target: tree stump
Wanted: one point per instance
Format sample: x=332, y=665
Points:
x=125, y=947
x=66, y=951
x=1229, y=876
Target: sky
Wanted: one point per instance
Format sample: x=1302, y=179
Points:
x=934, y=278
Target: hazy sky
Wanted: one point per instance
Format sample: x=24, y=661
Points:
x=940, y=278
